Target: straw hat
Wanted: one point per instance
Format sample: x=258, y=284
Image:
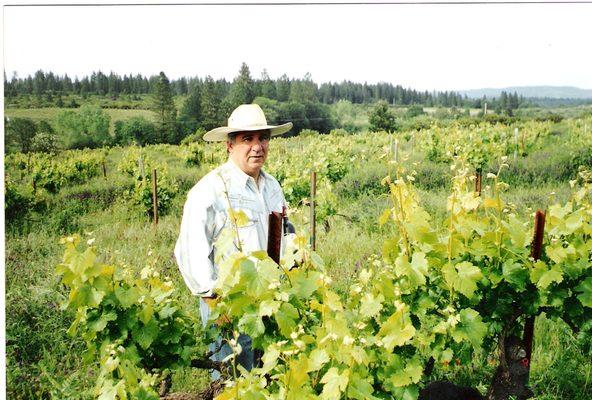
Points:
x=246, y=117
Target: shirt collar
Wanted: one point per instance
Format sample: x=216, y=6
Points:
x=243, y=178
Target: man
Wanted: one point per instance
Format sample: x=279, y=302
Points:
x=240, y=183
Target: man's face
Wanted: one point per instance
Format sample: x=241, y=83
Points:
x=248, y=150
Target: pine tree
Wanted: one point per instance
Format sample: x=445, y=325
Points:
x=164, y=107
x=267, y=86
x=39, y=83
x=503, y=101
x=190, y=115
x=283, y=88
x=382, y=119
x=242, y=89
x=211, y=104
x=303, y=90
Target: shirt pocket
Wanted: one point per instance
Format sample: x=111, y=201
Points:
x=248, y=206
x=251, y=233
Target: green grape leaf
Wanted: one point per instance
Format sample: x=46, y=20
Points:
x=333, y=301
x=144, y=335
x=241, y=219
x=371, y=305
x=470, y=327
x=585, y=288
x=550, y=276
x=384, y=217
x=142, y=393
x=111, y=391
x=360, y=389
x=251, y=324
x=146, y=313
x=556, y=252
x=256, y=283
x=335, y=384
x=268, y=307
x=415, y=271
x=462, y=277
x=517, y=231
x=396, y=330
x=85, y=296
x=410, y=374
x=406, y=393
x=101, y=323
x=515, y=274
x=574, y=221
x=167, y=311
x=468, y=276
x=542, y=276
x=103, y=283
x=559, y=212
x=317, y=358
x=304, y=283
x=286, y=318
x=127, y=297
x=297, y=371
x=270, y=358
x=470, y=201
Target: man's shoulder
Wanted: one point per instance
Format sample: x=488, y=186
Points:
x=273, y=183
x=208, y=185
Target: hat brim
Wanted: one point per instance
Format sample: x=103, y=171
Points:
x=220, y=134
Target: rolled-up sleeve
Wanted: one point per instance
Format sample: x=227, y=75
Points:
x=194, y=245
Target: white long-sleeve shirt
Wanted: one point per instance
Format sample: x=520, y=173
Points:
x=206, y=213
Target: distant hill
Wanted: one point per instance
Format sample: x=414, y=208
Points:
x=553, y=92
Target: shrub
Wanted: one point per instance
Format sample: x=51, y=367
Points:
x=382, y=119
x=45, y=142
x=16, y=204
x=88, y=127
x=308, y=133
x=197, y=136
x=135, y=130
x=20, y=132
x=366, y=181
x=414, y=111
x=194, y=155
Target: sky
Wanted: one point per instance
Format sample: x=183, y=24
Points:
x=425, y=47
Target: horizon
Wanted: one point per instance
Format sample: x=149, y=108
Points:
x=73, y=77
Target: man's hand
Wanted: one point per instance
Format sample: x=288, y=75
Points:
x=211, y=302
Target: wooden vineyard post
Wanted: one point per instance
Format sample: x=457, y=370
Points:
x=396, y=150
x=485, y=109
x=535, y=253
x=313, y=223
x=478, y=180
x=212, y=157
x=274, y=236
x=154, y=198
x=141, y=166
x=515, y=143
x=104, y=170
x=391, y=145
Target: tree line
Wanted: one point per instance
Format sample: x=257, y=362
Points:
x=208, y=102
x=282, y=89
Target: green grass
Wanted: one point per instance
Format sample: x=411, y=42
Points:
x=49, y=114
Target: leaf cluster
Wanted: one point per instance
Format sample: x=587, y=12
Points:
x=132, y=325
